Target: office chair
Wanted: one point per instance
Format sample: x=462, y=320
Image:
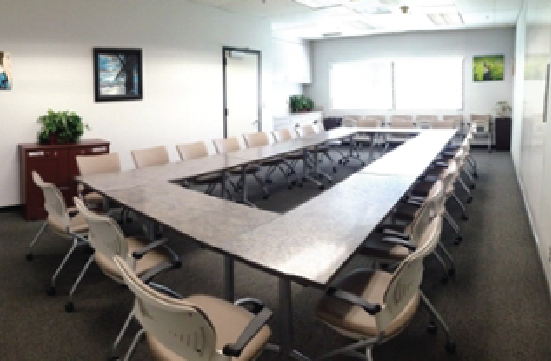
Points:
x=457, y=120
x=150, y=157
x=483, y=126
x=147, y=259
x=425, y=121
x=292, y=158
x=259, y=139
x=197, y=150
x=198, y=327
x=369, y=121
x=308, y=131
x=97, y=164
x=373, y=306
x=399, y=122
x=65, y=222
x=228, y=145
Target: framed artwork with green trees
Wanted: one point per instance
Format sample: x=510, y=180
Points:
x=117, y=74
x=488, y=68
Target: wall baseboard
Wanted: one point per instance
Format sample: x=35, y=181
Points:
x=533, y=227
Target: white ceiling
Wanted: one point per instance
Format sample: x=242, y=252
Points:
x=291, y=19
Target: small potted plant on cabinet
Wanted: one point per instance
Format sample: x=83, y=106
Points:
x=60, y=127
x=300, y=103
x=503, y=109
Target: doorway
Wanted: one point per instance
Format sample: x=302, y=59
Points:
x=242, y=91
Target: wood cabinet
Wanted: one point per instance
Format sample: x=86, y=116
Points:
x=297, y=120
x=56, y=164
x=503, y=133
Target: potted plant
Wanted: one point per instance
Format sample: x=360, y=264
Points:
x=60, y=127
x=503, y=109
x=300, y=103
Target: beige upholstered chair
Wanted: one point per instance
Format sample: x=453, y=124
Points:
x=218, y=330
x=373, y=306
x=197, y=150
x=369, y=121
x=483, y=127
x=150, y=157
x=67, y=223
x=97, y=164
x=260, y=139
x=425, y=121
x=457, y=120
x=228, y=145
x=400, y=122
x=350, y=120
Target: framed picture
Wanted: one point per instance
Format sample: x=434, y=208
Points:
x=6, y=76
x=117, y=74
x=488, y=68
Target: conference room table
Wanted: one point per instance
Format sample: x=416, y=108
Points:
x=308, y=245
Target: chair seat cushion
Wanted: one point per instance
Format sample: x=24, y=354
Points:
x=77, y=224
x=352, y=320
x=93, y=198
x=150, y=260
x=228, y=320
x=375, y=247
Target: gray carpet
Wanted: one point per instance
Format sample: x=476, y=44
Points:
x=498, y=306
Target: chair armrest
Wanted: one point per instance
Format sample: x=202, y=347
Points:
x=353, y=299
x=256, y=304
x=415, y=202
x=256, y=324
x=399, y=242
x=167, y=291
x=141, y=252
x=417, y=199
x=440, y=164
x=146, y=277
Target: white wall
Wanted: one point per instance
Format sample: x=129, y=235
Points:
x=479, y=97
x=51, y=45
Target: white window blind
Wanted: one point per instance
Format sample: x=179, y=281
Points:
x=428, y=83
x=361, y=85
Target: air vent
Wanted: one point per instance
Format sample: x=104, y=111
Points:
x=335, y=33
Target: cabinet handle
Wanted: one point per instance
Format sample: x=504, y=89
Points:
x=99, y=149
x=36, y=154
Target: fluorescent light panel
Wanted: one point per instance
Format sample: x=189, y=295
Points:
x=446, y=19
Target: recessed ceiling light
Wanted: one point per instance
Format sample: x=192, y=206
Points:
x=317, y=4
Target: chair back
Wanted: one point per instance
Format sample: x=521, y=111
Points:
x=192, y=150
x=350, y=120
x=425, y=121
x=178, y=325
x=99, y=164
x=407, y=278
x=306, y=130
x=150, y=157
x=54, y=203
x=444, y=124
x=104, y=235
x=256, y=139
x=371, y=121
x=402, y=121
x=448, y=181
x=429, y=210
x=482, y=122
x=282, y=135
x=226, y=145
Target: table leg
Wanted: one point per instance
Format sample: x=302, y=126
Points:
x=305, y=175
x=223, y=185
x=351, y=152
x=244, y=192
x=316, y=167
x=229, y=279
x=286, y=322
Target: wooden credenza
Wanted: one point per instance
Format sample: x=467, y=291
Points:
x=56, y=164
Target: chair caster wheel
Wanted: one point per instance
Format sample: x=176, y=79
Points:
x=464, y=217
x=450, y=347
x=290, y=186
x=269, y=181
x=294, y=183
x=300, y=185
x=472, y=186
x=265, y=196
x=321, y=187
x=51, y=291
x=470, y=200
x=29, y=257
x=304, y=179
x=114, y=358
x=444, y=280
x=458, y=240
x=69, y=307
x=340, y=161
x=334, y=169
x=475, y=175
x=451, y=272
x=431, y=328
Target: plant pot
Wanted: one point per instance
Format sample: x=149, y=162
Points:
x=53, y=139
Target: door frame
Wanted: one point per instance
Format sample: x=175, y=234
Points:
x=258, y=54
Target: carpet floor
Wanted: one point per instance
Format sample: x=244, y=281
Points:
x=497, y=306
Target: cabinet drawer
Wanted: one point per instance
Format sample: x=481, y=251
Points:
x=43, y=153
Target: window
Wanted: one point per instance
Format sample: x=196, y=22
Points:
x=361, y=85
x=428, y=83
x=400, y=84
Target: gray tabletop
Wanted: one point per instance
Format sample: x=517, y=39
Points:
x=312, y=242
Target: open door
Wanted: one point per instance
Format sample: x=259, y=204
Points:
x=242, y=83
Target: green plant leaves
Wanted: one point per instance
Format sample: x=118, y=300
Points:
x=67, y=126
x=300, y=102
